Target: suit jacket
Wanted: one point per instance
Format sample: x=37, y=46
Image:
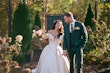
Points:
x=78, y=37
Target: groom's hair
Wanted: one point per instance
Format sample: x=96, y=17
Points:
x=68, y=14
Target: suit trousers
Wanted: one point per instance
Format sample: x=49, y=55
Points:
x=76, y=54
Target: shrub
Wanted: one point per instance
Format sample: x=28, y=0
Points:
x=21, y=25
x=97, y=50
x=7, y=52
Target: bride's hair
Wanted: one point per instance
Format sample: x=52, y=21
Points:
x=61, y=30
x=55, y=22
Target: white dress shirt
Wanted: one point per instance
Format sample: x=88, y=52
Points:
x=73, y=24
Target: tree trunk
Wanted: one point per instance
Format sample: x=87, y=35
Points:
x=9, y=17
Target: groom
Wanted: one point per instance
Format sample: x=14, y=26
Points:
x=75, y=39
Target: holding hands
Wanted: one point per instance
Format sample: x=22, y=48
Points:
x=65, y=53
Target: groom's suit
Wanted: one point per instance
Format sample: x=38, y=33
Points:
x=74, y=43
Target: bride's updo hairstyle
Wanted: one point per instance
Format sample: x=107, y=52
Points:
x=61, y=30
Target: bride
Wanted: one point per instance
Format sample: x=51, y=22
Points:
x=52, y=59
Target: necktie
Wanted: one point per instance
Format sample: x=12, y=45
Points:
x=71, y=28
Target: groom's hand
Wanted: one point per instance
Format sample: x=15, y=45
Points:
x=65, y=53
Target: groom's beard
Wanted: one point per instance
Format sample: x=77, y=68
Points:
x=67, y=23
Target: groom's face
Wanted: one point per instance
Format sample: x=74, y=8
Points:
x=67, y=19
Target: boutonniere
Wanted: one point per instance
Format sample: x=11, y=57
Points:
x=76, y=28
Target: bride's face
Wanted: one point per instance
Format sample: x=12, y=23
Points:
x=58, y=25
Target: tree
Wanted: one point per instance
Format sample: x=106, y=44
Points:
x=37, y=21
x=3, y=18
x=21, y=26
x=89, y=16
x=105, y=12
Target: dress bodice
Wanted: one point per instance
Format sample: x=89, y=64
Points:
x=52, y=39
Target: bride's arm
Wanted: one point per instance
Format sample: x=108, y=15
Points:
x=45, y=36
x=41, y=34
x=61, y=40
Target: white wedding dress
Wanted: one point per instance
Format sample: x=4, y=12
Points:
x=52, y=59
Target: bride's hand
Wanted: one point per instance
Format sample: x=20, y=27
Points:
x=40, y=32
x=65, y=53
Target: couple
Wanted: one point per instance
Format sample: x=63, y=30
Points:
x=53, y=58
